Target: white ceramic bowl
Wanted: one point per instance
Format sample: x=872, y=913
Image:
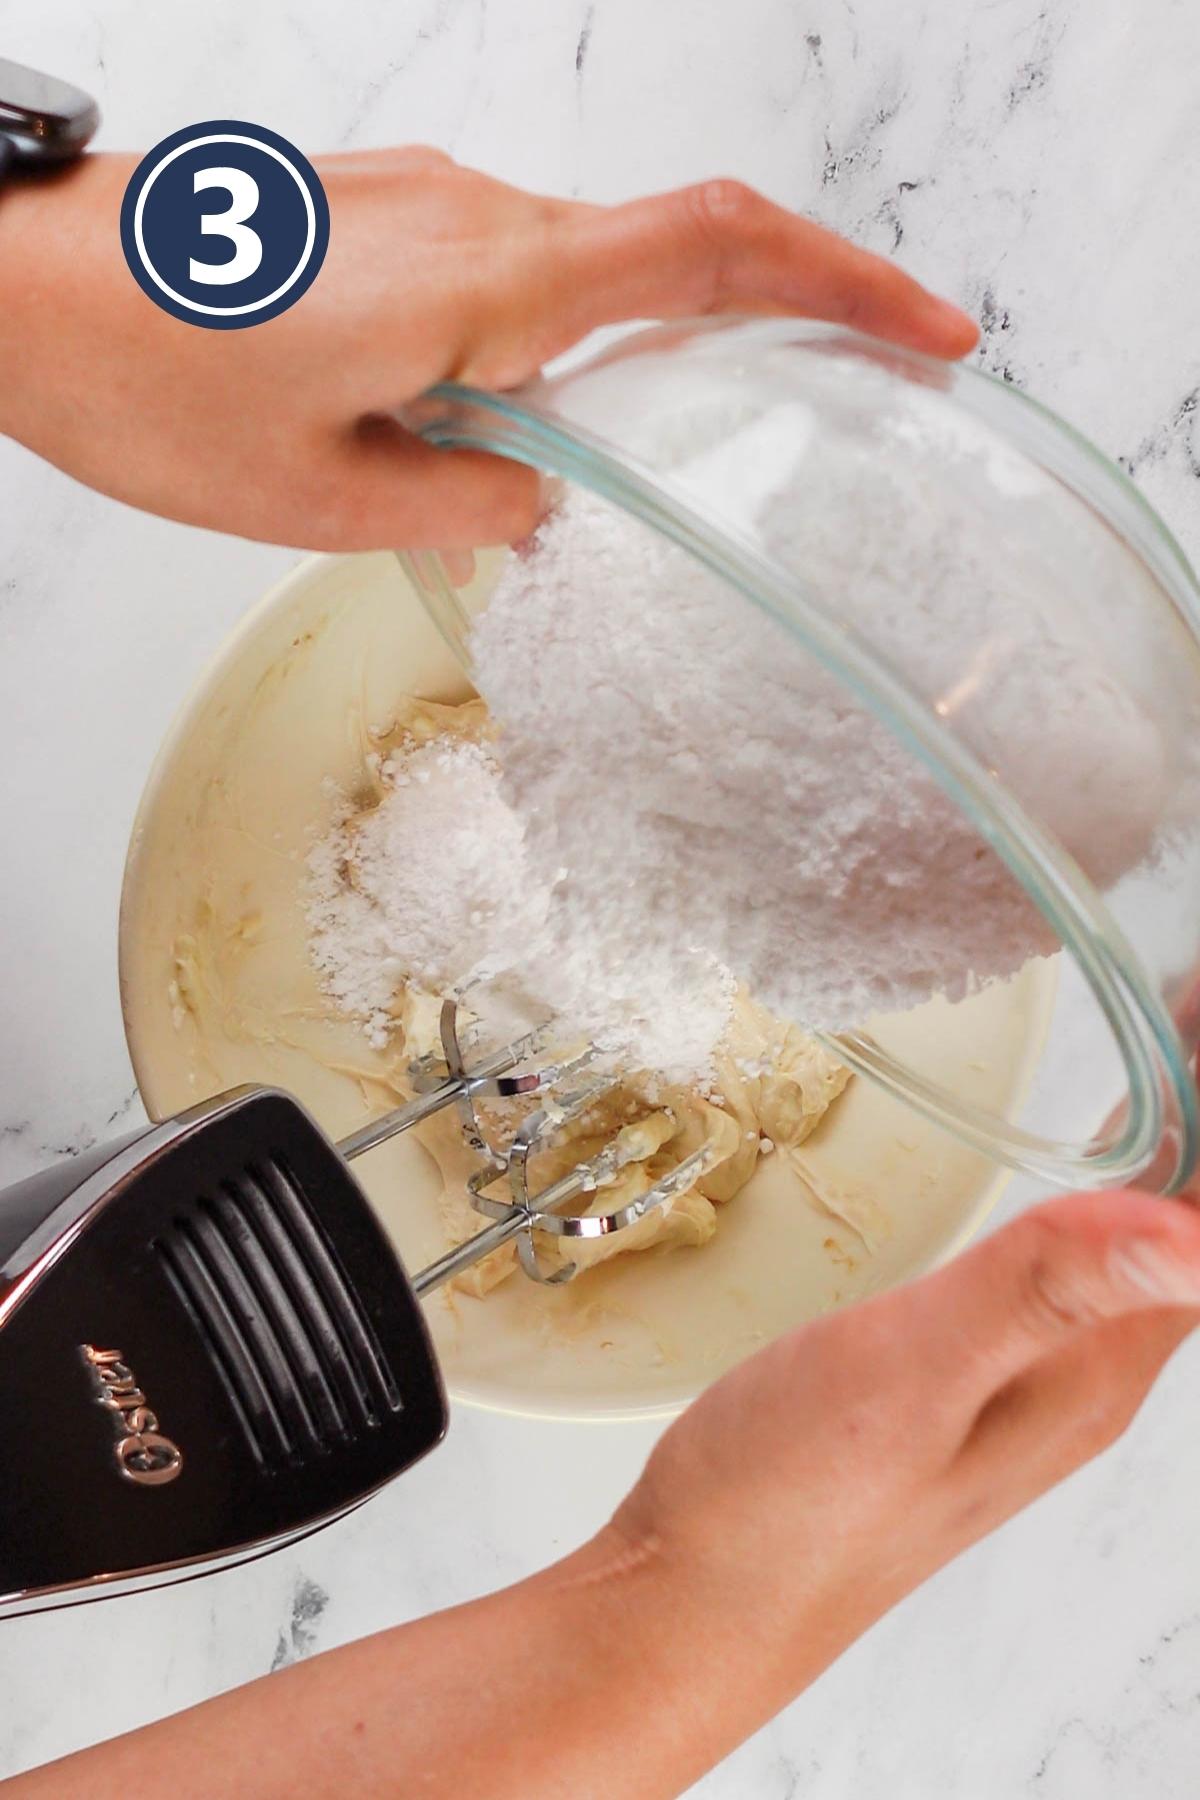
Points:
x=217, y=990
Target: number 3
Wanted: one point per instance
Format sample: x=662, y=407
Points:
x=231, y=224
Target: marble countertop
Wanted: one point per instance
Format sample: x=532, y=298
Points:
x=1037, y=162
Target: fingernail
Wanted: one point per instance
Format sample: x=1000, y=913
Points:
x=1156, y=1270
x=953, y=317
x=1164, y=1169
x=551, y=489
x=459, y=566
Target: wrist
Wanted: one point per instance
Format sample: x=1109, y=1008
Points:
x=670, y=1671
x=772, y=1606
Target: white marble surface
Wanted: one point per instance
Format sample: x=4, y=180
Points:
x=1037, y=159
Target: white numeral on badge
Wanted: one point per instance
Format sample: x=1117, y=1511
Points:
x=243, y=196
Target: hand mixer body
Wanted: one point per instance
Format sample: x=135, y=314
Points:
x=207, y=1349
x=207, y=1344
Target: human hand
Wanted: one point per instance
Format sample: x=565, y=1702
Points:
x=820, y=1481
x=434, y=272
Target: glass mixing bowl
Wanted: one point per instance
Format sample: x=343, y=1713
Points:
x=1035, y=504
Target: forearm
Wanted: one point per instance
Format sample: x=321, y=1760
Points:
x=602, y=1676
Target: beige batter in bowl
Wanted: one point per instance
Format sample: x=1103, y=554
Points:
x=217, y=990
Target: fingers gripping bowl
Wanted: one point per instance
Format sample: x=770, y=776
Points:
x=218, y=986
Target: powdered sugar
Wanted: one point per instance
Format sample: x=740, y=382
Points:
x=429, y=889
x=713, y=794
x=434, y=889
x=712, y=791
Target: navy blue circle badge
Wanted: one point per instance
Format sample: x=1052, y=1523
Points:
x=224, y=224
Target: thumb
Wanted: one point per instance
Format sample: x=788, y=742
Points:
x=1060, y=1269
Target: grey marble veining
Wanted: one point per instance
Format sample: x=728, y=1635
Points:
x=1036, y=159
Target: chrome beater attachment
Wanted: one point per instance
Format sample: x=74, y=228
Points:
x=449, y=1082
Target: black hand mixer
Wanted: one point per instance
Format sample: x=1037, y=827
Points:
x=208, y=1345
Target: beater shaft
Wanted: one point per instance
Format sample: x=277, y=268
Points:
x=465, y=1256
x=415, y=1112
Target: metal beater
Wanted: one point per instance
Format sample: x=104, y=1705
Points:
x=502, y=1075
